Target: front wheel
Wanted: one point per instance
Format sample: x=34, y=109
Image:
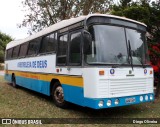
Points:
x=58, y=96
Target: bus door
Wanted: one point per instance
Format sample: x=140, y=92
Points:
x=69, y=56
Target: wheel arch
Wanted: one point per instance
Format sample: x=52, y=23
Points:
x=53, y=81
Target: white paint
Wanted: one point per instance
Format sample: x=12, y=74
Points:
x=117, y=85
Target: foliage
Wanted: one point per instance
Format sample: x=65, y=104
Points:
x=4, y=39
x=43, y=13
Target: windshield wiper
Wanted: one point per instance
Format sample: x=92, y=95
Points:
x=130, y=54
x=141, y=62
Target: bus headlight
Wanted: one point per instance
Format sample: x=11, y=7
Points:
x=109, y=102
x=146, y=97
x=141, y=98
x=151, y=97
x=116, y=102
x=100, y=104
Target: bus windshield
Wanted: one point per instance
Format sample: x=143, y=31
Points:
x=110, y=45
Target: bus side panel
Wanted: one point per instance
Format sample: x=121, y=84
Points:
x=34, y=84
x=73, y=94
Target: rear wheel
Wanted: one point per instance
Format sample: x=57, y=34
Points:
x=58, y=96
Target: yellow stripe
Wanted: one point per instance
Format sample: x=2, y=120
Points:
x=64, y=79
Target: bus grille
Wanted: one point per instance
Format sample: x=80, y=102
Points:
x=124, y=87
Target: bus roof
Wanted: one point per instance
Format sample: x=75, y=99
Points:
x=62, y=24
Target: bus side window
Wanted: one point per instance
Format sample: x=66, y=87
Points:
x=51, y=43
x=9, y=53
x=23, y=50
x=75, y=49
x=33, y=47
x=15, y=51
x=48, y=44
x=62, y=50
x=44, y=44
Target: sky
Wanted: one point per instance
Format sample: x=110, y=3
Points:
x=11, y=14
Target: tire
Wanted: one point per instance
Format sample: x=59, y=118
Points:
x=58, y=96
x=14, y=81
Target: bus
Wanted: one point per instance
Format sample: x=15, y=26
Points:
x=97, y=61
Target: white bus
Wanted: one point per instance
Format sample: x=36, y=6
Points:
x=97, y=61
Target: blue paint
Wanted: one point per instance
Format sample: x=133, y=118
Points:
x=74, y=94
x=33, y=84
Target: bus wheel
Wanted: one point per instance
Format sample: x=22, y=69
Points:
x=58, y=96
x=14, y=82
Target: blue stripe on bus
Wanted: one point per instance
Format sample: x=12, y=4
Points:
x=33, y=84
x=74, y=94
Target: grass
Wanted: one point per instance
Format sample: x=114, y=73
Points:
x=24, y=103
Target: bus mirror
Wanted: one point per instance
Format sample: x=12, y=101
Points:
x=87, y=42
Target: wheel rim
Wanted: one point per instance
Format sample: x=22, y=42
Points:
x=58, y=94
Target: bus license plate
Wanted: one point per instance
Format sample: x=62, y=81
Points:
x=130, y=100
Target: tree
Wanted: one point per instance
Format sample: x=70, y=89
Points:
x=43, y=13
x=4, y=39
